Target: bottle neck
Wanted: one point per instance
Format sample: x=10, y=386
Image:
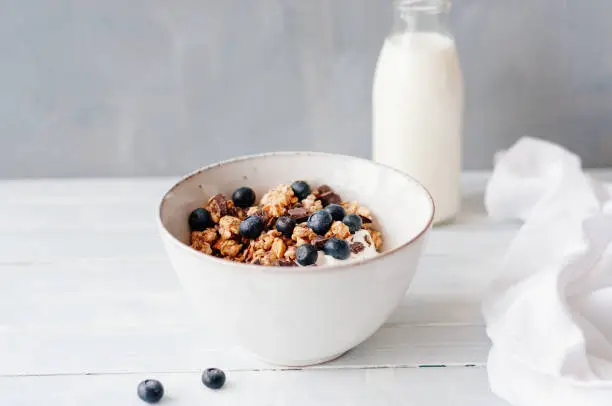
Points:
x=421, y=16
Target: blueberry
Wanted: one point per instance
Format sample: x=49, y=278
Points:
x=285, y=225
x=301, y=189
x=243, y=197
x=306, y=254
x=353, y=222
x=150, y=390
x=337, y=212
x=337, y=248
x=251, y=227
x=320, y=222
x=200, y=219
x=213, y=378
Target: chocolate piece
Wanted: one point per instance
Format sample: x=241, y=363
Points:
x=239, y=239
x=218, y=203
x=357, y=247
x=322, y=189
x=330, y=198
x=367, y=239
x=284, y=262
x=327, y=195
x=318, y=242
x=300, y=214
x=364, y=219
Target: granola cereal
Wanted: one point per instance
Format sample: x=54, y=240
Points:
x=254, y=211
x=228, y=248
x=229, y=227
x=217, y=206
x=235, y=211
x=279, y=247
x=290, y=253
x=377, y=238
x=208, y=236
x=312, y=203
x=246, y=234
x=202, y=246
x=277, y=200
x=302, y=234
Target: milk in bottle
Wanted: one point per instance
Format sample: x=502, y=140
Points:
x=418, y=102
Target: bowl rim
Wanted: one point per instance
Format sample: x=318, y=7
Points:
x=296, y=269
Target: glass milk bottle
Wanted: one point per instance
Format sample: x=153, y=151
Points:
x=417, y=102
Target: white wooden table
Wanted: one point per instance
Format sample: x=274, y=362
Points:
x=89, y=306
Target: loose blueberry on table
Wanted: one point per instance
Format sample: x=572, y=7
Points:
x=353, y=222
x=306, y=254
x=337, y=248
x=251, y=227
x=320, y=222
x=301, y=189
x=213, y=378
x=243, y=197
x=200, y=219
x=150, y=390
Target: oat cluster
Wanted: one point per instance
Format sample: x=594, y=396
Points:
x=224, y=240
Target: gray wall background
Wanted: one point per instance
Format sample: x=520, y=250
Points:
x=151, y=87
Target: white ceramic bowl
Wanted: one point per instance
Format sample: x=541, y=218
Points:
x=300, y=316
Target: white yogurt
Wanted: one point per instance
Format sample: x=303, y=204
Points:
x=360, y=236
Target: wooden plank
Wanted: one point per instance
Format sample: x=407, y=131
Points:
x=23, y=246
x=34, y=216
x=126, y=308
x=79, y=191
x=350, y=387
x=34, y=351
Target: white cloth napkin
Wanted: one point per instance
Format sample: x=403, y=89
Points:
x=549, y=310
